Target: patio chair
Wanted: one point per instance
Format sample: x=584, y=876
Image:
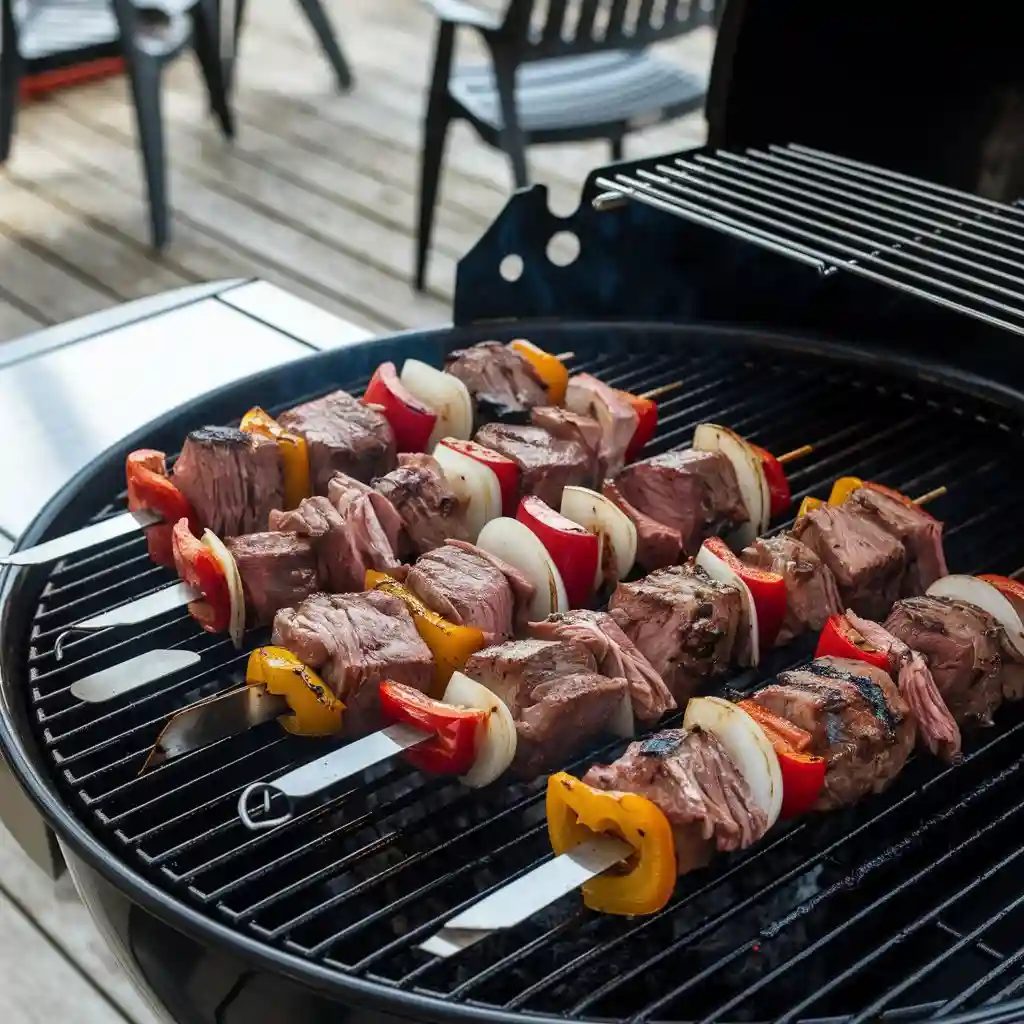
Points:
x=559, y=71
x=152, y=33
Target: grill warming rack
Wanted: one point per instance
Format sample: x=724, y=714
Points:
x=958, y=251
x=788, y=928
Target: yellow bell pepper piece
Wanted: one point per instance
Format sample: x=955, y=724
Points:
x=550, y=369
x=644, y=882
x=294, y=453
x=808, y=505
x=315, y=710
x=451, y=645
x=843, y=488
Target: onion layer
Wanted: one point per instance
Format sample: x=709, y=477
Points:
x=498, y=744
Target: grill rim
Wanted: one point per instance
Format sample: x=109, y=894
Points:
x=28, y=761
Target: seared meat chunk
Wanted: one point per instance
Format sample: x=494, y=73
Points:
x=570, y=426
x=686, y=624
x=811, y=591
x=546, y=464
x=867, y=561
x=231, y=478
x=589, y=396
x=472, y=588
x=918, y=532
x=277, y=570
x=616, y=655
x=936, y=726
x=502, y=382
x=972, y=662
x=690, y=492
x=353, y=530
x=559, y=701
x=344, y=436
x=355, y=642
x=857, y=719
x=694, y=783
x=419, y=493
x=657, y=545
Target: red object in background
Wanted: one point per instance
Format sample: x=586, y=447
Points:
x=40, y=84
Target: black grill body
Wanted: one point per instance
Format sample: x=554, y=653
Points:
x=906, y=907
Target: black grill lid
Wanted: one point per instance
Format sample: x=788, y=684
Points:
x=906, y=906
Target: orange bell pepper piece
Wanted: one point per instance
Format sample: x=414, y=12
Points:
x=549, y=368
x=294, y=453
x=315, y=709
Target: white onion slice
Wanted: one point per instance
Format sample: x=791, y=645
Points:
x=748, y=748
x=445, y=394
x=971, y=590
x=498, y=744
x=720, y=570
x=236, y=624
x=515, y=543
x=710, y=437
x=474, y=484
x=601, y=516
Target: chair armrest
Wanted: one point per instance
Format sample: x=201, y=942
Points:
x=460, y=12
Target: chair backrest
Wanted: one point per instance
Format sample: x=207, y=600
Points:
x=556, y=28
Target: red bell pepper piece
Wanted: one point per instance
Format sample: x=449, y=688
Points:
x=457, y=731
x=775, y=475
x=803, y=774
x=198, y=566
x=768, y=589
x=503, y=468
x=574, y=549
x=150, y=489
x=1012, y=590
x=646, y=410
x=411, y=421
x=840, y=640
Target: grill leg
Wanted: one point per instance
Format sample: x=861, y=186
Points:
x=318, y=19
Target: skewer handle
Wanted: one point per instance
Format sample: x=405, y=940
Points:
x=931, y=496
x=796, y=453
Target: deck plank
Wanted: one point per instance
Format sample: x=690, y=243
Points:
x=14, y=321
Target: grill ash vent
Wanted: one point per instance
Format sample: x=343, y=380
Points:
x=906, y=907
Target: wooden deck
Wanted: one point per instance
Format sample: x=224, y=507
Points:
x=317, y=194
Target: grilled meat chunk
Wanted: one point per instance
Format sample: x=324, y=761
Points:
x=354, y=529
x=232, y=479
x=472, y=588
x=936, y=726
x=973, y=664
x=616, y=655
x=355, y=642
x=694, y=783
x=503, y=384
x=657, y=545
x=277, y=570
x=686, y=624
x=589, y=396
x=690, y=492
x=918, y=532
x=867, y=561
x=559, y=700
x=811, y=591
x=419, y=493
x=344, y=436
x=570, y=426
x=546, y=464
x=857, y=720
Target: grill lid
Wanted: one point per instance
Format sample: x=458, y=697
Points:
x=908, y=904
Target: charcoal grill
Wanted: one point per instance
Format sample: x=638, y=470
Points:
x=800, y=298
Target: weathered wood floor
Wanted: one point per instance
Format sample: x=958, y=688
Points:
x=316, y=194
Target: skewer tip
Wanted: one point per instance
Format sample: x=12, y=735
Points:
x=938, y=492
x=796, y=453
x=664, y=389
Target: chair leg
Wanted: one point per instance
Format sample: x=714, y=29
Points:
x=205, y=37
x=513, y=141
x=617, y=149
x=435, y=135
x=10, y=76
x=144, y=78
x=318, y=19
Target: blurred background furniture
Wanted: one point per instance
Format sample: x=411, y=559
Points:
x=151, y=34
x=559, y=71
